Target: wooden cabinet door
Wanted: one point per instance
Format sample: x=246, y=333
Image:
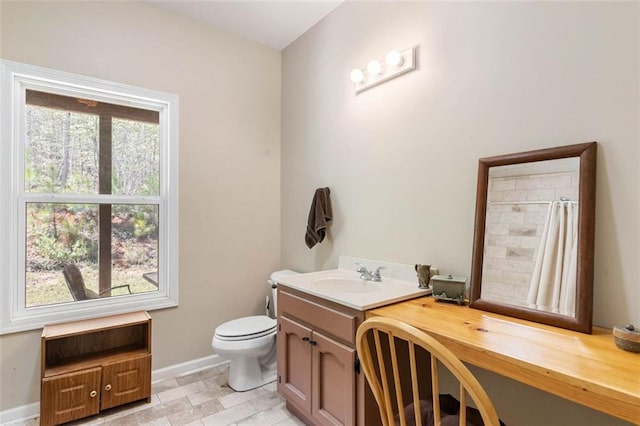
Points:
x=70, y=396
x=334, y=382
x=126, y=381
x=294, y=363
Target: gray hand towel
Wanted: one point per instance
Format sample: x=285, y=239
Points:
x=320, y=215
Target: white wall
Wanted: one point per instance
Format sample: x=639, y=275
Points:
x=401, y=158
x=229, y=158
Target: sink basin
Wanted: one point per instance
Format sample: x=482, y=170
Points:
x=346, y=285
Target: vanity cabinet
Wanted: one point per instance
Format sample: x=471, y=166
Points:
x=318, y=374
x=93, y=365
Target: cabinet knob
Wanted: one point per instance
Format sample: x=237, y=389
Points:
x=93, y=394
x=305, y=339
x=107, y=388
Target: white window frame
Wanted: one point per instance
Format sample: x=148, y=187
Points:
x=15, y=79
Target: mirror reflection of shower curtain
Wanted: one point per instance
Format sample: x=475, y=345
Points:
x=553, y=283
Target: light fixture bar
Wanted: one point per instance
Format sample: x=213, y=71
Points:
x=406, y=63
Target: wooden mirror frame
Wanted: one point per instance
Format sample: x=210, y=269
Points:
x=582, y=321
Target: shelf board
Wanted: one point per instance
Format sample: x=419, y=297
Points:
x=93, y=360
x=94, y=324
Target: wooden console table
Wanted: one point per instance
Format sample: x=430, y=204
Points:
x=585, y=368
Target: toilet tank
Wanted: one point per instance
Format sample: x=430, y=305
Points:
x=273, y=282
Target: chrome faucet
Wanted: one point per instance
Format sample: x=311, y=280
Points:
x=367, y=275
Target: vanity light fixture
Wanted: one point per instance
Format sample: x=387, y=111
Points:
x=396, y=63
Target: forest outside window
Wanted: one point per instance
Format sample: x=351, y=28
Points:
x=90, y=214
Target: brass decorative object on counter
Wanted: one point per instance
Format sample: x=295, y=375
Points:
x=424, y=275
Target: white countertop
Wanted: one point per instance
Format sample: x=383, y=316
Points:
x=346, y=288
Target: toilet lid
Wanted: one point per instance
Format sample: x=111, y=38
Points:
x=246, y=328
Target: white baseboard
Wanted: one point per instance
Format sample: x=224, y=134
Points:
x=26, y=412
x=188, y=367
x=20, y=414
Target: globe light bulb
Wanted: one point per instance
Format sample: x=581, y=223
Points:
x=394, y=58
x=374, y=67
x=357, y=76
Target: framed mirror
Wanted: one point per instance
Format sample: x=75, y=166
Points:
x=533, y=243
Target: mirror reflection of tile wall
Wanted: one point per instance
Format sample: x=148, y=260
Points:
x=516, y=213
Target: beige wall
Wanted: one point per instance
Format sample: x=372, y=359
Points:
x=229, y=93
x=401, y=158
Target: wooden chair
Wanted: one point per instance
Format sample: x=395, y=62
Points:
x=78, y=289
x=378, y=340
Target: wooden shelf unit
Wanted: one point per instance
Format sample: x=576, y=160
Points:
x=95, y=364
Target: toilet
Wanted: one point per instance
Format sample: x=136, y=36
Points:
x=250, y=344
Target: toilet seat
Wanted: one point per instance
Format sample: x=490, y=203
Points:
x=246, y=328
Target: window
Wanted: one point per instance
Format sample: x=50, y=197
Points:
x=88, y=220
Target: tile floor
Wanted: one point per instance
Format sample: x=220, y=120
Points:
x=201, y=398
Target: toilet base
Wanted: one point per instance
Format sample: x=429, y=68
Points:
x=253, y=361
x=246, y=374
